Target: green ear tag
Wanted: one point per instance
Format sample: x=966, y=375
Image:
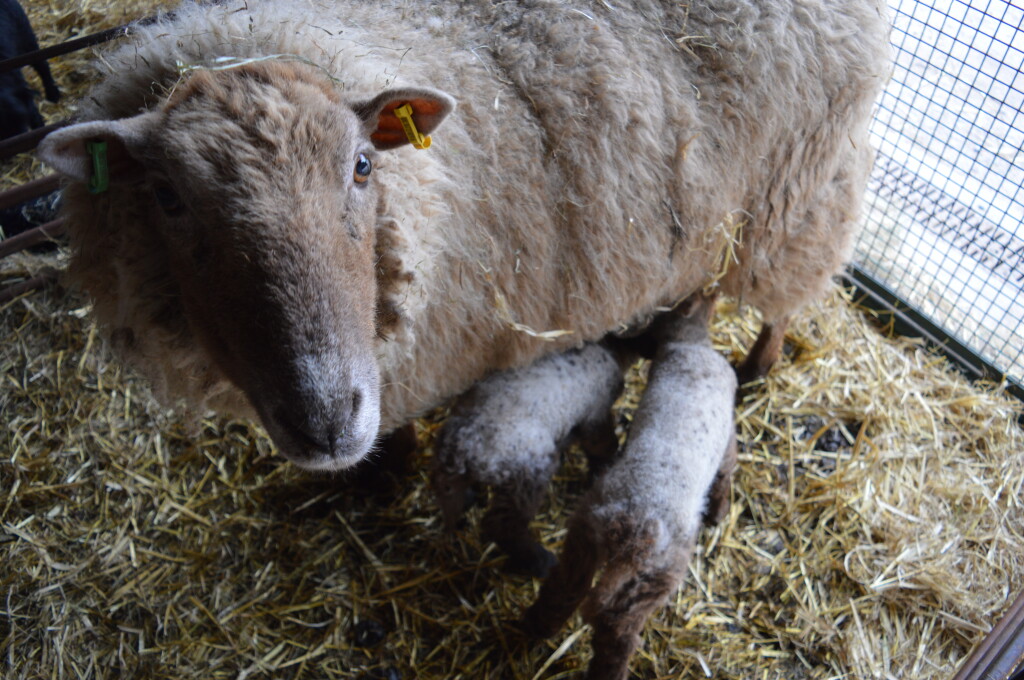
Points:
x=100, y=179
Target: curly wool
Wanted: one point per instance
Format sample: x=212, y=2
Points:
x=582, y=181
x=640, y=520
x=514, y=423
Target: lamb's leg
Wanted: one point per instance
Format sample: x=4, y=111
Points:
x=765, y=352
x=397, y=450
x=567, y=584
x=719, y=496
x=24, y=41
x=451, y=489
x=620, y=621
x=507, y=523
x=388, y=463
x=49, y=86
x=598, y=441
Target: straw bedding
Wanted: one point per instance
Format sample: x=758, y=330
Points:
x=876, y=528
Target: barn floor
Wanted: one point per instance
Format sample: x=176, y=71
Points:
x=877, y=528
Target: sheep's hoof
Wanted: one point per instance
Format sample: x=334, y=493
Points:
x=766, y=351
x=537, y=561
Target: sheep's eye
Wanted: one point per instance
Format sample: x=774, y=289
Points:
x=362, y=169
x=168, y=199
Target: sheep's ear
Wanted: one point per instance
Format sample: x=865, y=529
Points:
x=386, y=117
x=72, y=151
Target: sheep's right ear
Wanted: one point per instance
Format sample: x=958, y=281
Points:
x=69, y=150
x=422, y=108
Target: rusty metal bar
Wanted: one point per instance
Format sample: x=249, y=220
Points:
x=64, y=47
x=32, y=237
x=76, y=44
x=11, y=292
x=29, y=190
x=85, y=41
x=27, y=141
x=1002, y=650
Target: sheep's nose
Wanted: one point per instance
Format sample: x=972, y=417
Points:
x=322, y=429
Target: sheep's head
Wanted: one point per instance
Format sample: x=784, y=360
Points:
x=262, y=194
x=688, y=321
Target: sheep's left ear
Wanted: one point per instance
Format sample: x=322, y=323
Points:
x=67, y=150
x=382, y=116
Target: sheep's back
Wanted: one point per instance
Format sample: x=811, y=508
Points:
x=588, y=175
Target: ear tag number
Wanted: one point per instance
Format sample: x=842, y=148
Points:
x=100, y=179
x=404, y=114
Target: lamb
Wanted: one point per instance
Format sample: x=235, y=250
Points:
x=264, y=238
x=641, y=518
x=18, y=111
x=507, y=432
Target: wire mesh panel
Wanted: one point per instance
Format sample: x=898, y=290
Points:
x=945, y=206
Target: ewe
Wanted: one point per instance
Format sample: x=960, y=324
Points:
x=271, y=244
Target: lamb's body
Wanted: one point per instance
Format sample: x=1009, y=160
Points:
x=507, y=432
x=590, y=172
x=641, y=519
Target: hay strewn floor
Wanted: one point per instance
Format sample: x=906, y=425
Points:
x=134, y=547
x=876, y=530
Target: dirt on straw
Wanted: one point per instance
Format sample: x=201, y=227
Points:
x=876, y=529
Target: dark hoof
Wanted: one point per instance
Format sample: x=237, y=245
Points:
x=385, y=673
x=536, y=562
x=519, y=637
x=368, y=633
x=535, y=626
x=719, y=502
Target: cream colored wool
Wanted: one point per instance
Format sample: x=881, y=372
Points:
x=584, y=178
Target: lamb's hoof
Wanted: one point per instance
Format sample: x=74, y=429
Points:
x=519, y=638
x=719, y=501
x=368, y=633
x=535, y=625
x=536, y=562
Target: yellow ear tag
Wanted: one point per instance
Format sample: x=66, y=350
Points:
x=404, y=114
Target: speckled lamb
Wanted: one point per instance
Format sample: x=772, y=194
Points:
x=507, y=432
x=640, y=520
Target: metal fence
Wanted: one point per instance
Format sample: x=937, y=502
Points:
x=945, y=208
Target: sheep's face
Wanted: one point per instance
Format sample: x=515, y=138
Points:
x=262, y=191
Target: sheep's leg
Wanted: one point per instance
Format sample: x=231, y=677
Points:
x=765, y=352
x=569, y=582
x=507, y=523
x=719, y=496
x=620, y=621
